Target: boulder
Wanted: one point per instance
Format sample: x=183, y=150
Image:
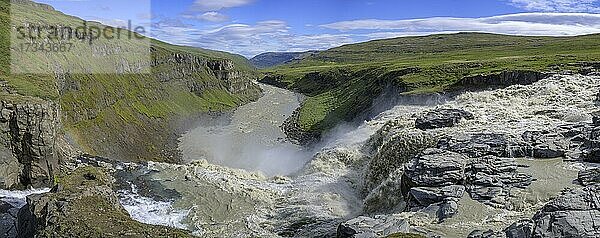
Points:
x=520, y=229
x=574, y=213
x=424, y=196
x=592, y=155
x=485, y=234
x=435, y=168
x=367, y=227
x=433, y=182
x=479, y=145
x=440, y=118
x=589, y=176
x=441, y=202
x=489, y=179
x=544, y=144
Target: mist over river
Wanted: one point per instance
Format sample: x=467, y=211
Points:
x=243, y=179
x=251, y=138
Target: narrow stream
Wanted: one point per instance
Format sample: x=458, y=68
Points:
x=252, y=140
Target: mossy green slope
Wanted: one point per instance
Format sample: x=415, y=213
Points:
x=83, y=204
x=343, y=81
x=130, y=116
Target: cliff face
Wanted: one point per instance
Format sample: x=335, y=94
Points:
x=27, y=144
x=133, y=117
x=138, y=117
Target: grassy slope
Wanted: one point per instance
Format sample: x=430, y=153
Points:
x=126, y=116
x=344, y=80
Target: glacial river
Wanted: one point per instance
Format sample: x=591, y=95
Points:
x=230, y=186
x=251, y=138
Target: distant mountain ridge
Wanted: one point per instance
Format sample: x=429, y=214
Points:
x=271, y=59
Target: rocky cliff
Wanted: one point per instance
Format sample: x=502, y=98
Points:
x=28, y=154
x=83, y=204
x=429, y=168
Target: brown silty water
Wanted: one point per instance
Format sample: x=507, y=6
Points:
x=231, y=189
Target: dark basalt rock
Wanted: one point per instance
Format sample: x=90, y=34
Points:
x=589, y=176
x=425, y=196
x=367, y=227
x=596, y=118
x=440, y=118
x=575, y=213
x=478, y=145
x=439, y=201
x=436, y=180
x=28, y=156
x=485, y=234
x=543, y=144
x=490, y=179
x=435, y=168
x=506, y=78
x=8, y=220
x=536, y=144
x=520, y=229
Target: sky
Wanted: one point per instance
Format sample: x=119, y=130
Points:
x=251, y=27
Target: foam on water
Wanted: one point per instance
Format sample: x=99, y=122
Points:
x=150, y=211
x=230, y=202
x=19, y=198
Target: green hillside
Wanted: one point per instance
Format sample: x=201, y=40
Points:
x=343, y=81
x=128, y=116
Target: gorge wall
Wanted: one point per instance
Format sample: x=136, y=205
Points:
x=28, y=156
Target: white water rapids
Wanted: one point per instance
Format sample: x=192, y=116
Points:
x=218, y=201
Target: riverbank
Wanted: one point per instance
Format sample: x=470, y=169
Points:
x=388, y=176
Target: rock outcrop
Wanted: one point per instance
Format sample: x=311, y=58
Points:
x=489, y=180
x=294, y=132
x=574, y=213
x=440, y=118
x=28, y=155
x=8, y=220
x=503, y=79
x=437, y=180
x=367, y=227
x=83, y=204
x=589, y=176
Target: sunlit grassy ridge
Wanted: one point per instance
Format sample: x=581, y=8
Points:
x=129, y=116
x=343, y=81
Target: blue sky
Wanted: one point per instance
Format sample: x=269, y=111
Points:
x=250, y=27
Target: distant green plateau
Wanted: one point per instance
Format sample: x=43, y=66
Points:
x=343, y=81
x=127, y=116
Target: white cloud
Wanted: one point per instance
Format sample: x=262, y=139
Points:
x=249, y=40
x=215, y=5
x=591, y=6
x=208, y=16
x=275, y=35
x=552, y=24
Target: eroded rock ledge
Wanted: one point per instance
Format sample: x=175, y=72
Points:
x=28, y=153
